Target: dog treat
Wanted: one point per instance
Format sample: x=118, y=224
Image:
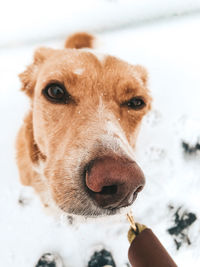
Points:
x=145, y=249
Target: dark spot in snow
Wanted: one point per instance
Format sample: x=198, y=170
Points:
x=178, y=244
x=171, y=207
x=23, y=201
x=101, y=258
x=49, y=260
x=20, y=201
x=70, y=219
x=190, y=149
x=182, y=221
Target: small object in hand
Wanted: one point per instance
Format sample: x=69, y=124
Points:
x=145, y=249
x=50, y=260
x=101, y=259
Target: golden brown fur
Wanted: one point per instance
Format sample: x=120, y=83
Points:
x=56, y=140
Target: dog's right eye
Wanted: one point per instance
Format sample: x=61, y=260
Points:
x=56, y=93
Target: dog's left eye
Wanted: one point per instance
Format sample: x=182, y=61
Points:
x=135, y=103
x=56, y=93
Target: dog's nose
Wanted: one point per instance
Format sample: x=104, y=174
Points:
x=114, y=182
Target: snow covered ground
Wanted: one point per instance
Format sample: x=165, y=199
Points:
x=170, y=51
x=31, y=21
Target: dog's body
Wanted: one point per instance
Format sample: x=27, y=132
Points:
x=85, y=115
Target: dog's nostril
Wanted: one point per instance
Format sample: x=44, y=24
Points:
x=138, y=189
x=109, y=190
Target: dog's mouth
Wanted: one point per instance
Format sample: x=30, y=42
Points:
x=89, y=208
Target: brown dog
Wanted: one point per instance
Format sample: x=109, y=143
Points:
x=75, y=146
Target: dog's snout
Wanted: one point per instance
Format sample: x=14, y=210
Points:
x=114, y=182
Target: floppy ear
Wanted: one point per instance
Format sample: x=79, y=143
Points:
x=142, y=73
x=28, y=152
x=80, y=40
x=28, y=77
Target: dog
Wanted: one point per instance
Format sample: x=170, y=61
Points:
x=76, y=144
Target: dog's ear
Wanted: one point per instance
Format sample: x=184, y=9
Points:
x=142, y=73
x=28, y=77
x=80, y=40
x=28, y=152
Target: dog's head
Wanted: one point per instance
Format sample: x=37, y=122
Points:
x=86, y=113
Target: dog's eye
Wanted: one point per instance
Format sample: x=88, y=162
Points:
x=56, y=93
x=136, y=103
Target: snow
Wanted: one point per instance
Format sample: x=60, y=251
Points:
x=27, y=21
x=170, y=51
x=78, y=71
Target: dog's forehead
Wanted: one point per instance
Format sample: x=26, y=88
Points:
x=91, y=70
x=80, y=60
